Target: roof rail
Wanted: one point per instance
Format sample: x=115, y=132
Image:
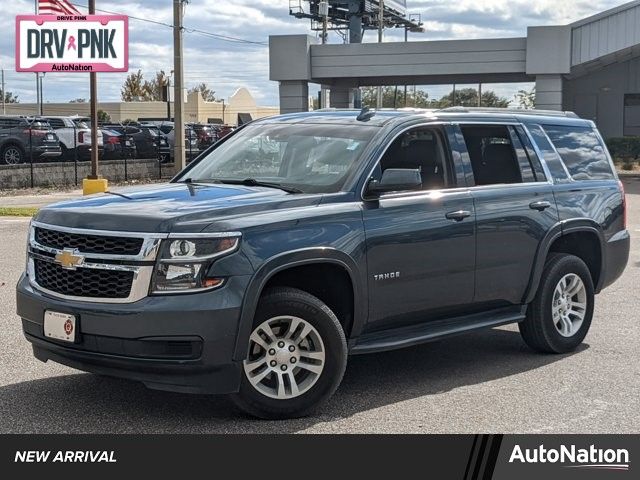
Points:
x=510, y=111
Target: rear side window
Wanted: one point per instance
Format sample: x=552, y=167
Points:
x=581, y=152
x=56, y=123
x=492, y=154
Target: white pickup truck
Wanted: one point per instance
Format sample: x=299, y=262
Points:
x=74, y=133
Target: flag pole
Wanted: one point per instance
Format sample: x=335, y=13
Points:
x=38, y=108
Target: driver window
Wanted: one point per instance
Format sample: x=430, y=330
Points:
x=421, y=149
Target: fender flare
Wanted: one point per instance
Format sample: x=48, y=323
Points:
x=558, y=230
x=284, y=261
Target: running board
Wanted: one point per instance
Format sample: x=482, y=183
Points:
x=435, y=330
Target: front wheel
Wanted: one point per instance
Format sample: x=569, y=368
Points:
x=560, y=315
x=297, y=356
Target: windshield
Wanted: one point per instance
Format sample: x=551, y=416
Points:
x=309, y=158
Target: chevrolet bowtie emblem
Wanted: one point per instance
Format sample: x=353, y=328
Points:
x=69, y=259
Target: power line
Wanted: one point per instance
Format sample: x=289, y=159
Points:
x=217, y=36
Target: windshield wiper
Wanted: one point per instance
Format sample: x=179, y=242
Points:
x=252, y=182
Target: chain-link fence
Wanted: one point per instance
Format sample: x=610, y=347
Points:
x=41, y=157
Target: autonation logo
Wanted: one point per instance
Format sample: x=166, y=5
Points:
x=573, y=457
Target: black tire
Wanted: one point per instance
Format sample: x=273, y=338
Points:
x=21, y=156
x=290, y=301
x=64, y=153
x=538, y=329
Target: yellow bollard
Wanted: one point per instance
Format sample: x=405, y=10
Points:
x=94, y=185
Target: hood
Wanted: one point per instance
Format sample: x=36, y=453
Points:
x=171, y=207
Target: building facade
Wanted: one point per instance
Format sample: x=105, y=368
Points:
x=591, y=67
x=195, y=109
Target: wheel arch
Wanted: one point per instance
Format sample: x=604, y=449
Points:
x=290, y=260
x=553, y=240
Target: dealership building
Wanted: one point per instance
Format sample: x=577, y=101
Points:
x=591, y=67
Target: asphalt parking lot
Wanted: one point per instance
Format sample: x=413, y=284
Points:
x=488, y=381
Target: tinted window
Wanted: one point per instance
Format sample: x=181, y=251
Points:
x=581, y=151
x=492, y=154
x=534, y=161
x=56, y=123
x=420, y=149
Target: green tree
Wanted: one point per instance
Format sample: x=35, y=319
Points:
x=9, y=97
x=393, y=97
x=468, y=97
x=134, y=88
x=154, y=88
x=103, y=117
x=526, y=98
x=78, y=100
x=207, y=94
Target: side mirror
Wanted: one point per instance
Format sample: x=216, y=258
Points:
x=395, y=180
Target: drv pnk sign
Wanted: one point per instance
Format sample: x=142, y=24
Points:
x=67, y=43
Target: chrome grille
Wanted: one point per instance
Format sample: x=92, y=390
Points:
x=83, y=282
x=107, y=266
x=88, y=243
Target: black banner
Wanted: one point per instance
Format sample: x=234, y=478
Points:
x=460, y=457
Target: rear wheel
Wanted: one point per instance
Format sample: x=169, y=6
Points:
x=297, y=356
x=560, y=315
x=12, y=155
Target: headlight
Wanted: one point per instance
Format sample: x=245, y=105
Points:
x=183, y=263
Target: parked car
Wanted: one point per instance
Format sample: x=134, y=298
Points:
x=149, y=140
x=303, y=238
x=118, y=145
x=26, y=138
x=206, y=135
x=222, y=131
x=74, y=133
x=190, y=140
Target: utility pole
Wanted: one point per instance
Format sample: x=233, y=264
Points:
x=178, y=101
x=380, y=27
x=4, y=94
x=479, y=94
x=93, y=183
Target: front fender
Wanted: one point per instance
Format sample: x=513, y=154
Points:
x=297, y=258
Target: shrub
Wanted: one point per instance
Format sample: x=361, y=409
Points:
x=624, y=149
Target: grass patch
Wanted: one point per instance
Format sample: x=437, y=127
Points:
x=18, y=211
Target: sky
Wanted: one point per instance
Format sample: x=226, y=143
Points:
x=228, y=65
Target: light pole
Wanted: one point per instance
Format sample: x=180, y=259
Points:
x=4, y=94
x=40, y=83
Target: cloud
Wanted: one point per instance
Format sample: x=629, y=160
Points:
x=226, y=65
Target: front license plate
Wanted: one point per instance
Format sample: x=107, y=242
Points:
x=60, y=326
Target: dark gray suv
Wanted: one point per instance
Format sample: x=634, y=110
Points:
x=300, y=239
x=23, y=139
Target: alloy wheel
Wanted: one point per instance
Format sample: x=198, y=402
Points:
x=12, y=156
x=569, y=304
x=286, y=357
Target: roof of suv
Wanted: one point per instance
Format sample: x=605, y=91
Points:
x=383, y=117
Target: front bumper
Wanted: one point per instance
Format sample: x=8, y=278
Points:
x=181, y=343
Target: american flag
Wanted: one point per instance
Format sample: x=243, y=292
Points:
x=56, y=7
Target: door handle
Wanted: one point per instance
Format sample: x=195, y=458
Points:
x=540, y=206
x=458, y=215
